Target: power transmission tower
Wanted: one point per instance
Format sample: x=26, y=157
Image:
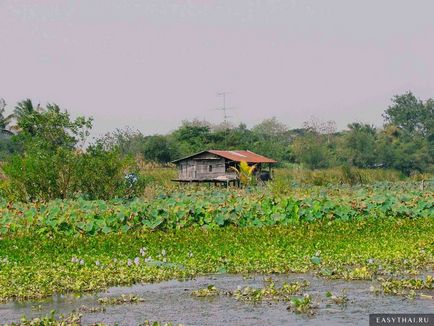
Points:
x=225, y=113
x=224, y=108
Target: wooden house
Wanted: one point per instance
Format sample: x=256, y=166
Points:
x=215, y=166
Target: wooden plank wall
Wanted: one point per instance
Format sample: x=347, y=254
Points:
x=205, y=166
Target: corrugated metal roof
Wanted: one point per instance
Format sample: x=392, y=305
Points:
x=236, y=156
x=246, y=156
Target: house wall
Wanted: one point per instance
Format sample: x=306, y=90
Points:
x=205, y=166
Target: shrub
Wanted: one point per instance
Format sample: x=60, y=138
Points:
x=44, y=175
x=40, y=175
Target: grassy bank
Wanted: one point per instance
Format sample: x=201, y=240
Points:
x=36, y=266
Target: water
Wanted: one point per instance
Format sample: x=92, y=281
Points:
x=172, y=301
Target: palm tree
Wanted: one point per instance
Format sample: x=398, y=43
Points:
x=4, y=120
x=244, y=172
x=22, y=110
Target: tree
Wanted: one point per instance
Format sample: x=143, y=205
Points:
x=192, y=136
x=271, y=137
x=50, y=127
x=411, y=114
x=270, y=128
x=5, y=120
x=7, y=145
x=311, y=150
x=128, y=142
x=159, y=149
x=53, y=164
x=399, y=150
x=359, y=145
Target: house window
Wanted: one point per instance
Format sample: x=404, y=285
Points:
x=209, y=168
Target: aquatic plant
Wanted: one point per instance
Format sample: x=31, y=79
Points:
x=270, y=292
x=337, y=299
x=122, y=299
x=209, y=291
x=303, y=305
x=72, y=319
x=211, y=209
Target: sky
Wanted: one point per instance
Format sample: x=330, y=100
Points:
x=151, y=64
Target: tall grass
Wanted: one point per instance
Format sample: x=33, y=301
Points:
x=337, y=175
x=159, y=177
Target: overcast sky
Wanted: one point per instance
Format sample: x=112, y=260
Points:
x=151, y=64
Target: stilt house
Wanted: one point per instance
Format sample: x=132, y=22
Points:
x=215, y=166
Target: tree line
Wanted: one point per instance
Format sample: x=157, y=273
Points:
x=45, y=153
x=405, y=142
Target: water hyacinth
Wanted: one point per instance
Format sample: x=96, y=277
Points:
x=97, y=263
x=190, y=254
x=143, y=251
x=74, y=260
x=81, y=262
x=148, y=259
x=163, y=253
x=129, y=262
x=137, y=261
x=338, y=241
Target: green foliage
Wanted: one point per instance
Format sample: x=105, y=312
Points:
x=359, y=145
x=122, y=299
x=100, y=174
x=245, y=172
x=404, y=152
x=406, y=142
x=49, y=128
x=411, y=114
x=192, y=137
x=303, y=305
x=39, y=174
x=159, y=149
x=5, y=120
x=72, y=319
x=270, y=292
x=52, y=166
x=311, y=150
x=209, y=291
x=36, y=266
x=7, y=146
x=213, y=209
x=403, y=287
x=286, y=178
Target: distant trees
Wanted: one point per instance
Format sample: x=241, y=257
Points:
x=49, y=128
x=405, y=143
x=411, y=115
x=411, y=121
x=7, y=146
x=5, y=120
x=160, y=148
x=312, y=150
x=359, y=145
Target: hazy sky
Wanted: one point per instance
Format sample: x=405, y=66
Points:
x=151, y=64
